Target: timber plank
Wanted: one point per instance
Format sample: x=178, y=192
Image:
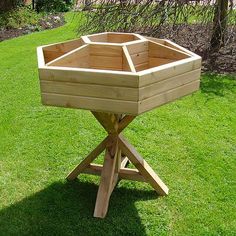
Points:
x=94, y=104
x=89, y=90
x=89, y=76
x=168, y=96
x=168, y=84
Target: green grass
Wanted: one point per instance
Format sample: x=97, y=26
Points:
x=190, y=143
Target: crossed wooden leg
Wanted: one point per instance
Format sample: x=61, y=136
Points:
x=118, y=151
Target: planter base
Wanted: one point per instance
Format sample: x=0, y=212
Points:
x=118, y=152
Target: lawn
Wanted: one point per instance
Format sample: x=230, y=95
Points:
x=190, y=143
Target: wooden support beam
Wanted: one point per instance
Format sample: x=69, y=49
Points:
x=125, y=121
x=146, y=171
x=124, y=173
x=82, y=166
x=117, y=156
x=128, y=60
x=107, y=178
x=131, y=174
x=107, y=120
x=117, y=169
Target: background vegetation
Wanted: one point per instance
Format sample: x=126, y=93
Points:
x=7, y=5
x=19, y=17
x=53, y=5
x=149, y=16
x=190, y=143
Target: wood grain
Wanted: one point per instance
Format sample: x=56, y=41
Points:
x=168, y=96
x=168, y=84
x=89, y=90
x=89, y=103
x=145, y=170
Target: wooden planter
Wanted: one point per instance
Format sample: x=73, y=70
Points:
x=116, y=73
x=117, y=76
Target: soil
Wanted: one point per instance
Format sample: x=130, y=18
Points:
x=48, y=22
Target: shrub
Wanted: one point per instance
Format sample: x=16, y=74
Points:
x=19, y=17
x=53, y=5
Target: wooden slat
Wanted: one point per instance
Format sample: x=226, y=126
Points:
x=131, y=174
x=111, y=69
x=126, y=64
x=141, y=37
x=124, y=173
x=53, y=51
x=168, y=96
x=82, y=166
x=41, y=61
x=85, y=39
x=100, y=37
x=76, y=58
x=65, y=46
x=105, y=44
x=118, y=165
x=176, y=46
x=128, y=59
x=172, y=45
x=137, y=47
x=89, y=90
x=120, y=37
x=161, y=41
x=140, y=58
x=112, y=63
x=106, y=181
x=94, y=104
x=89, y=76
x=168, y=70
x=168, y=84
x=93, y=169
x=52, y=55
x=154, y=61
x=106, y=50
x=143, y=167
x=117, y=169
x=139, y=55
x=162, y=51
x=143, y=66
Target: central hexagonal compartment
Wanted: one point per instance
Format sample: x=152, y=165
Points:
x=113, y=37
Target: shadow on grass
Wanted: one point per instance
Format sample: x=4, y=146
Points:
x=67, y=209
x=219, y=85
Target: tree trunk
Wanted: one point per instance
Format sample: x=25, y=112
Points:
x=219, y=25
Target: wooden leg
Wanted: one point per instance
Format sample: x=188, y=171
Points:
x=146, y=171
x=107, y=179
x=118, y=153
x=78, y=169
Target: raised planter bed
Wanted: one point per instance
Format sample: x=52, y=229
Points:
x=117, y=76
x=116, y=73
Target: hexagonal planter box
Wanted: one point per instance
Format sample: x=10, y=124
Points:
x=116, y=73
